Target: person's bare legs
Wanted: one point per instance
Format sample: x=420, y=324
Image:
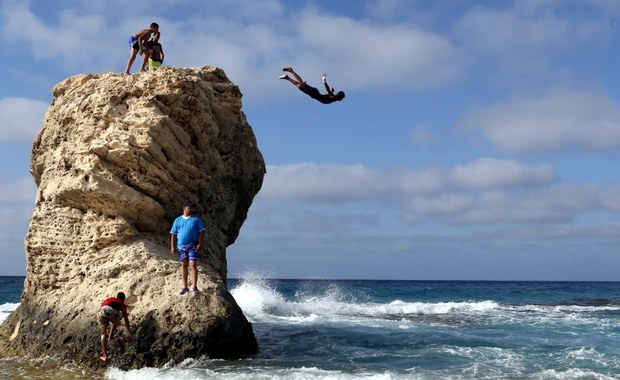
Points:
x=112, y=331
x=194, y=268
x=290, y=70
x=293, y=81
x=132, y=57
x=104, y=344
x=184, y=265
x=145, y=61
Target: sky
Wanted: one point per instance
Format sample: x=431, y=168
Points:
x=478, y=140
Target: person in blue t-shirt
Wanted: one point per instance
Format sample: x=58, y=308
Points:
x=187, y=239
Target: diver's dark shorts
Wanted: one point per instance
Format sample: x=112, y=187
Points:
x=311, y=91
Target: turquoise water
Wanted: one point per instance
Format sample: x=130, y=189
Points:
x=315, y=329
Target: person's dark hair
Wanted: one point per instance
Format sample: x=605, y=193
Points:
x=120, y=296
x=154, y=26
x=339, y=95
x=149, y=44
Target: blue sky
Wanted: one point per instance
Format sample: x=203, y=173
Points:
x=479, y=140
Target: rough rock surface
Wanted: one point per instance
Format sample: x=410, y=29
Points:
x=116, y=157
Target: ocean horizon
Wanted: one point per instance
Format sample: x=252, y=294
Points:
x=395, y=329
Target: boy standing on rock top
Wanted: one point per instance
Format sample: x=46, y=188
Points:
x=110, y=312
x=187, y=238
x=137, y=45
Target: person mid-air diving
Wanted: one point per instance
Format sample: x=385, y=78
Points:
x=314, y=93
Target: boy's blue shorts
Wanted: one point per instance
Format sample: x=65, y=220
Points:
x=133, y=43
x=188, y=252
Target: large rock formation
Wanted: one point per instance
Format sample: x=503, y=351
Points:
x=115, y=159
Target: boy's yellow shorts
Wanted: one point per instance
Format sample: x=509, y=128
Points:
x=153, y=64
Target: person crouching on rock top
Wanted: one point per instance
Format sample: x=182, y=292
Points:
x=156, y=54
x=187, y=239
x=110, y=312
x=331, y=96
x=137, y=45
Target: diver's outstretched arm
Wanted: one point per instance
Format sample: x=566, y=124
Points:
x=330, y=90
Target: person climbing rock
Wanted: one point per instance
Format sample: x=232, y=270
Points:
x=110, y=313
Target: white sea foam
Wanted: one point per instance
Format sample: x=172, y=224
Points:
x=6, y=309
x=260, y=302
x=572, y=374
x=244, y=373
x=313, y=373
x=576, y=316
x=257, y=298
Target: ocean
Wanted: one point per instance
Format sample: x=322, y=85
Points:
x=355, y=329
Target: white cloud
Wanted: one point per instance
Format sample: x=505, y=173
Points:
x=527, y=35
x=545, y=205
x=558, y=121
x=611, y=198
x=484, y=191
x=344, y=183
x=89, y=37
x=561, y=231
x=491, y=173
x=385, y=8
x=379, y=56
x=355, y=53
x=21, y=119
x=76, y=36
x=421, y=136
x=327, y=183
x=252, y=44
x=351, y=183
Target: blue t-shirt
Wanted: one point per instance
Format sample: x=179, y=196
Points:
x=187, y=229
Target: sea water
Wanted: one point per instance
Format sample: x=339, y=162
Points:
x=325, y=329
